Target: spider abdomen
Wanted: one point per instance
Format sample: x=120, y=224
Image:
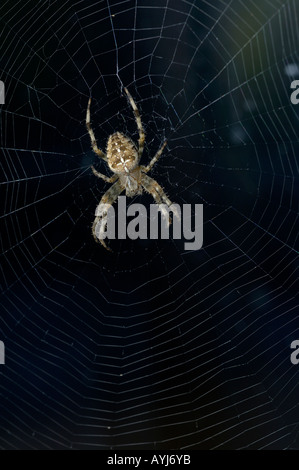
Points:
x=122, y=154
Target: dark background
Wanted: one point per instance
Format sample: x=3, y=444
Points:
x=151, y=346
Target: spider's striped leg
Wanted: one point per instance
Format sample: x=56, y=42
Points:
x=139, y=124
x=148, y=167
x=152, y=187
x=108, y=179
x=91, y=134
x=100, y=222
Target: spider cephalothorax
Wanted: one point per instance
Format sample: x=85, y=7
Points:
x=123, y=157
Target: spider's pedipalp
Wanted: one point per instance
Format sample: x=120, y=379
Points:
x=138, y=122
x=91, y=134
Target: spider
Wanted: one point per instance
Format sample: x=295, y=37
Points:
x=123, y=157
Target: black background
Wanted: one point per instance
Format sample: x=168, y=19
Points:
x=151, y=346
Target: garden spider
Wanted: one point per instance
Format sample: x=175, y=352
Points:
x=123, y=159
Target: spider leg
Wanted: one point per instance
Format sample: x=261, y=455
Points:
x=108, y=179
x=100, y=222
x=152, y=187
x=139, y=124
x=148, y=167
x=91, y=134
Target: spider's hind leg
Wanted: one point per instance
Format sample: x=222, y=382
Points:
x=138, y=122
x=94, y=146
x=148, y=167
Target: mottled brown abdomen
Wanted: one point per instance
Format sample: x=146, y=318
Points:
x=121, y=153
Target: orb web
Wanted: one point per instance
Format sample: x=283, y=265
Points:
x=151, y=346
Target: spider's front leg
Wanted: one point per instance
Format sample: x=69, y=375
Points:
x=152, y=187
x=100, y=222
